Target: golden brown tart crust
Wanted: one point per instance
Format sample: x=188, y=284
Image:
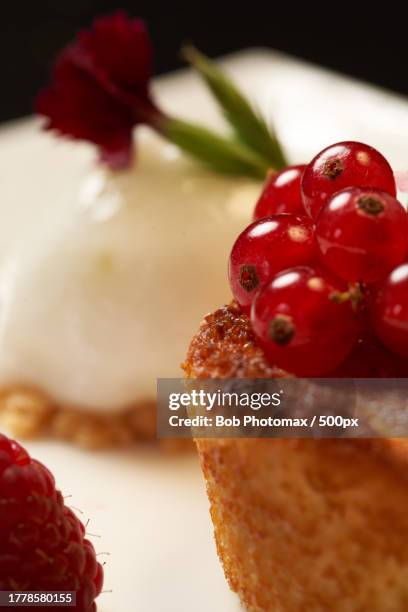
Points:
x=225, y=347
x=28, y=413
x=301, y=525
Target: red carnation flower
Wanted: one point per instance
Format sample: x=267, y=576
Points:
x=100, y=87
x=100, y=92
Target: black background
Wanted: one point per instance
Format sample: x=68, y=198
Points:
x=360, y=39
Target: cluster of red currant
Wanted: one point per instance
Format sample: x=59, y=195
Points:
x=323, y=269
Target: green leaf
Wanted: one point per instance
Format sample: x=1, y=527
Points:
x=249, y=126
x=219, y=153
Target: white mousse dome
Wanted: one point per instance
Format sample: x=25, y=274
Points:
x=100, y=298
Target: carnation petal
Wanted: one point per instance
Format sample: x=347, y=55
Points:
x=78, y=107
x=100, y=87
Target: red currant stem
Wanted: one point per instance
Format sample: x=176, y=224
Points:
x=339, y=296
x=354, y=295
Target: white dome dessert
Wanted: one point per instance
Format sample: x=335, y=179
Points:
x=100, y=299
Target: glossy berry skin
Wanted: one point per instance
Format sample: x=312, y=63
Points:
x=42, y=542
x=362, y=234
x=371, y=359
x=342, y=165
x=301, y=324
x=264, y=248
x=389, y=309
x=281, y=194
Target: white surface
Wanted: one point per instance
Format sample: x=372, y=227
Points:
x=151, y=510
x=152, y=517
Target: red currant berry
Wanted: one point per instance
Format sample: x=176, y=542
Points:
x=345, y=164
x=264, y=248
x=302, y=324
x=362, y=234
x=281, y=194
x=370, y=359
x=390, y=311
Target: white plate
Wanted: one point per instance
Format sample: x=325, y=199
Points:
x=151, y=510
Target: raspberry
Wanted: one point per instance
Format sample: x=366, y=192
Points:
x=281, y=194
x=345, y=164
x=302, y=323
x=264, y=248
x=362, y=234
x=42, y=543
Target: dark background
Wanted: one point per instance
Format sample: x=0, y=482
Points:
x=355, y=38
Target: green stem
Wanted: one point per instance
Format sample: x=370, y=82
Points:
x=219, y=153
x=248, y=124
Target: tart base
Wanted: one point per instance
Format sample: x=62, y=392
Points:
x=310, y=525
x=28, y=414
x=307, y=524
x=225, y=347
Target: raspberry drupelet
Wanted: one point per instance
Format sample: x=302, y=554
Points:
x=42, y=543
